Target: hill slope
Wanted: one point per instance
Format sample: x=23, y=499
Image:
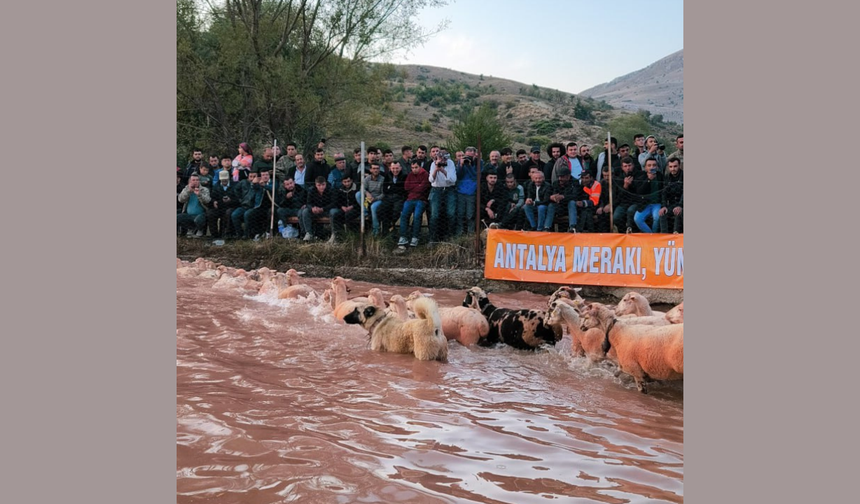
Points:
x=426, y=102
x=658, y=88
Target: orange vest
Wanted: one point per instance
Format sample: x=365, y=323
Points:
x=593, y=192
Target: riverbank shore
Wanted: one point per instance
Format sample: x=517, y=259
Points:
x=447, y=265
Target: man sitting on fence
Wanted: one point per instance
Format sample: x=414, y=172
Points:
x=321, y=199
x=417, y=187
x=568, y=195
x=290, y=198
x=538, y=202
x=672, y=212
x=195, y=199
x=223, y=203
x=346, y=209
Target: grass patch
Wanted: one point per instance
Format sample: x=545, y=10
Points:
x=456, y=253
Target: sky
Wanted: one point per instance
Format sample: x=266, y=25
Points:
x=588, y=42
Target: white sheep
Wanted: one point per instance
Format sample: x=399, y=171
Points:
x=644, y=352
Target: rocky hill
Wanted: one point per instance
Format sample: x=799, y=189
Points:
x=426, y=102
x=658, y=88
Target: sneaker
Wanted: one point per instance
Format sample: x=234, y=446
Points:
x=402, y=241
x=256, y=237
x=629, y=230
x=333, y=239
x=198, y=234
x=190, y=234
x=571, y=230
x=495, y=225
x=308, y=237
x=414, y=242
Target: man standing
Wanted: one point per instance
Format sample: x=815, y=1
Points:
x=340, y=171
x=405, y=158
x=319, y=167
x=195, y=198
x=570, y=160
x=554, y=150
x=193, y=166
x=679, y=143
x=467, y=188
x=651, y=152
x=299, y=172
x=285, y=164
x=443, y=196
x=612, y=149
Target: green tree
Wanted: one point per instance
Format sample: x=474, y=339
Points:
x=254, y=70
x=481, y=122
x=624, y=127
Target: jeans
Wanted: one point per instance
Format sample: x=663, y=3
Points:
x=545, y=216
x=654, y=211
x=257, y=220
x=571, y=213
x=282, y=214
x=465, y=212
x=416, y=209
x=338, y=218
x=238, y=217
x=390, y=210
x=187, y=221
x=438, y=195
x=623, y=216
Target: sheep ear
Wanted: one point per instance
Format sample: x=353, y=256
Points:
x=300, y=272
x=577, y=289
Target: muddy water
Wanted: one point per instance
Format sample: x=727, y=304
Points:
x=278, y=402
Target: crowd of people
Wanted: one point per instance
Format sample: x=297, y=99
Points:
x=232, y=196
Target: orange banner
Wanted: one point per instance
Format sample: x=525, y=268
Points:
x=618, y=260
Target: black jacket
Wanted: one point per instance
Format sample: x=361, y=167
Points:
x=392, y=189
x=296, y=201
x=326, y=200
x=219, y=192
x=673, y=190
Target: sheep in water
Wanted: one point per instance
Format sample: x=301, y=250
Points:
x=519, y=328
x=295, y=287
x=569, y=295
x=465, y=325
x=584, y=343
x=635, y=304
x=644, y=352
x=676, y=314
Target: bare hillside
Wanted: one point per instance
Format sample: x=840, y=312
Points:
x=658, y=88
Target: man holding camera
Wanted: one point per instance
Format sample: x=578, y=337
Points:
x=467, y=185
x=443, y=197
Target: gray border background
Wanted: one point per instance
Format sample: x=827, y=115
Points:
x=88, y=363
x=88, y=359
x=766, y=87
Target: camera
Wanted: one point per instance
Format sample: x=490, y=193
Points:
x=661, y=147
x=468, y=161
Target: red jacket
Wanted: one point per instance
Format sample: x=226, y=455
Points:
x=417, y=185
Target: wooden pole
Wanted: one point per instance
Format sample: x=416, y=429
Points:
x=478, y=200
x=274, y=179
x=609, y=162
